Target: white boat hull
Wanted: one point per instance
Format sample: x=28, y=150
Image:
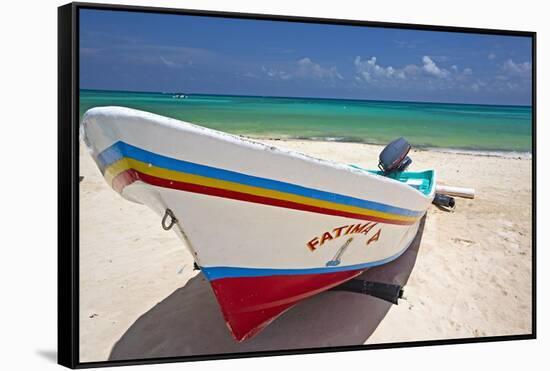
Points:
x=255, y=216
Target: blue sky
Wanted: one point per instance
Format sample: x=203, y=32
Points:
x=176, y=53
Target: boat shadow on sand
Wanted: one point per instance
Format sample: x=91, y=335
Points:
x=189, y=321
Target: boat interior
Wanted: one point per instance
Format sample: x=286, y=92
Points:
x=423, y=181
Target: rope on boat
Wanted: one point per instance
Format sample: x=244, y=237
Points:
x=173, y=220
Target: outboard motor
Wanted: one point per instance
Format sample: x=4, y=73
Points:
x=394, y=157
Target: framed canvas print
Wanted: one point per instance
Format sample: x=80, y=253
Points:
x=236, y=185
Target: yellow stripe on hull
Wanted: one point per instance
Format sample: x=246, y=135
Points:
x=128, y=163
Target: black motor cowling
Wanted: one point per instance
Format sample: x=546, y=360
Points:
x=394, y=156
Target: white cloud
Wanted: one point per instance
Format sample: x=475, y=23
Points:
x=276, y=73
x=169, y=63
x=429, y=74
x=425, y=75
x=167, y=56
x=304, y=68
x=308, y=68
x=518, y=69
x=491, y=56
x=431, y=68
x=411, y=70
x=513, y=76
x=370, y=71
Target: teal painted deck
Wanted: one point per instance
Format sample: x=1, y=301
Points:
x=419, y=180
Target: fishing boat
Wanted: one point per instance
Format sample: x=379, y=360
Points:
x=268, y=227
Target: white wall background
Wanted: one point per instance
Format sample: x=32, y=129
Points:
x=28, y=101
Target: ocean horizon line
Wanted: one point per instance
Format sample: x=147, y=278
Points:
x=303, y=97
x=441, y=125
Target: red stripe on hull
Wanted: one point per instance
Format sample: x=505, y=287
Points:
x=124, y=179
x=249, y=304
x=129, y=176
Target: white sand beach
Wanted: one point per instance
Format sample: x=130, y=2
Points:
x=467, y=275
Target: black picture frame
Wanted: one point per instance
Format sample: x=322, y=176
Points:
x=68, y=182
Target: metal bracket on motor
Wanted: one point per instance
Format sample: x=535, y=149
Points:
x=385, y=291
x=173, y=220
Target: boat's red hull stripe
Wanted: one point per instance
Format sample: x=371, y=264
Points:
x=130, y=176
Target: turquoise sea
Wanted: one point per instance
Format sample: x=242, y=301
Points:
x=454, y=126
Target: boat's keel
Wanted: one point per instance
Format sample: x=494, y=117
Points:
x=385, y=291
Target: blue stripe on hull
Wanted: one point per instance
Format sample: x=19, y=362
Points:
x=121, y=149
x=214, y=273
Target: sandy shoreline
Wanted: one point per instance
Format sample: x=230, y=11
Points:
x=519, y=155
x=470, y=274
